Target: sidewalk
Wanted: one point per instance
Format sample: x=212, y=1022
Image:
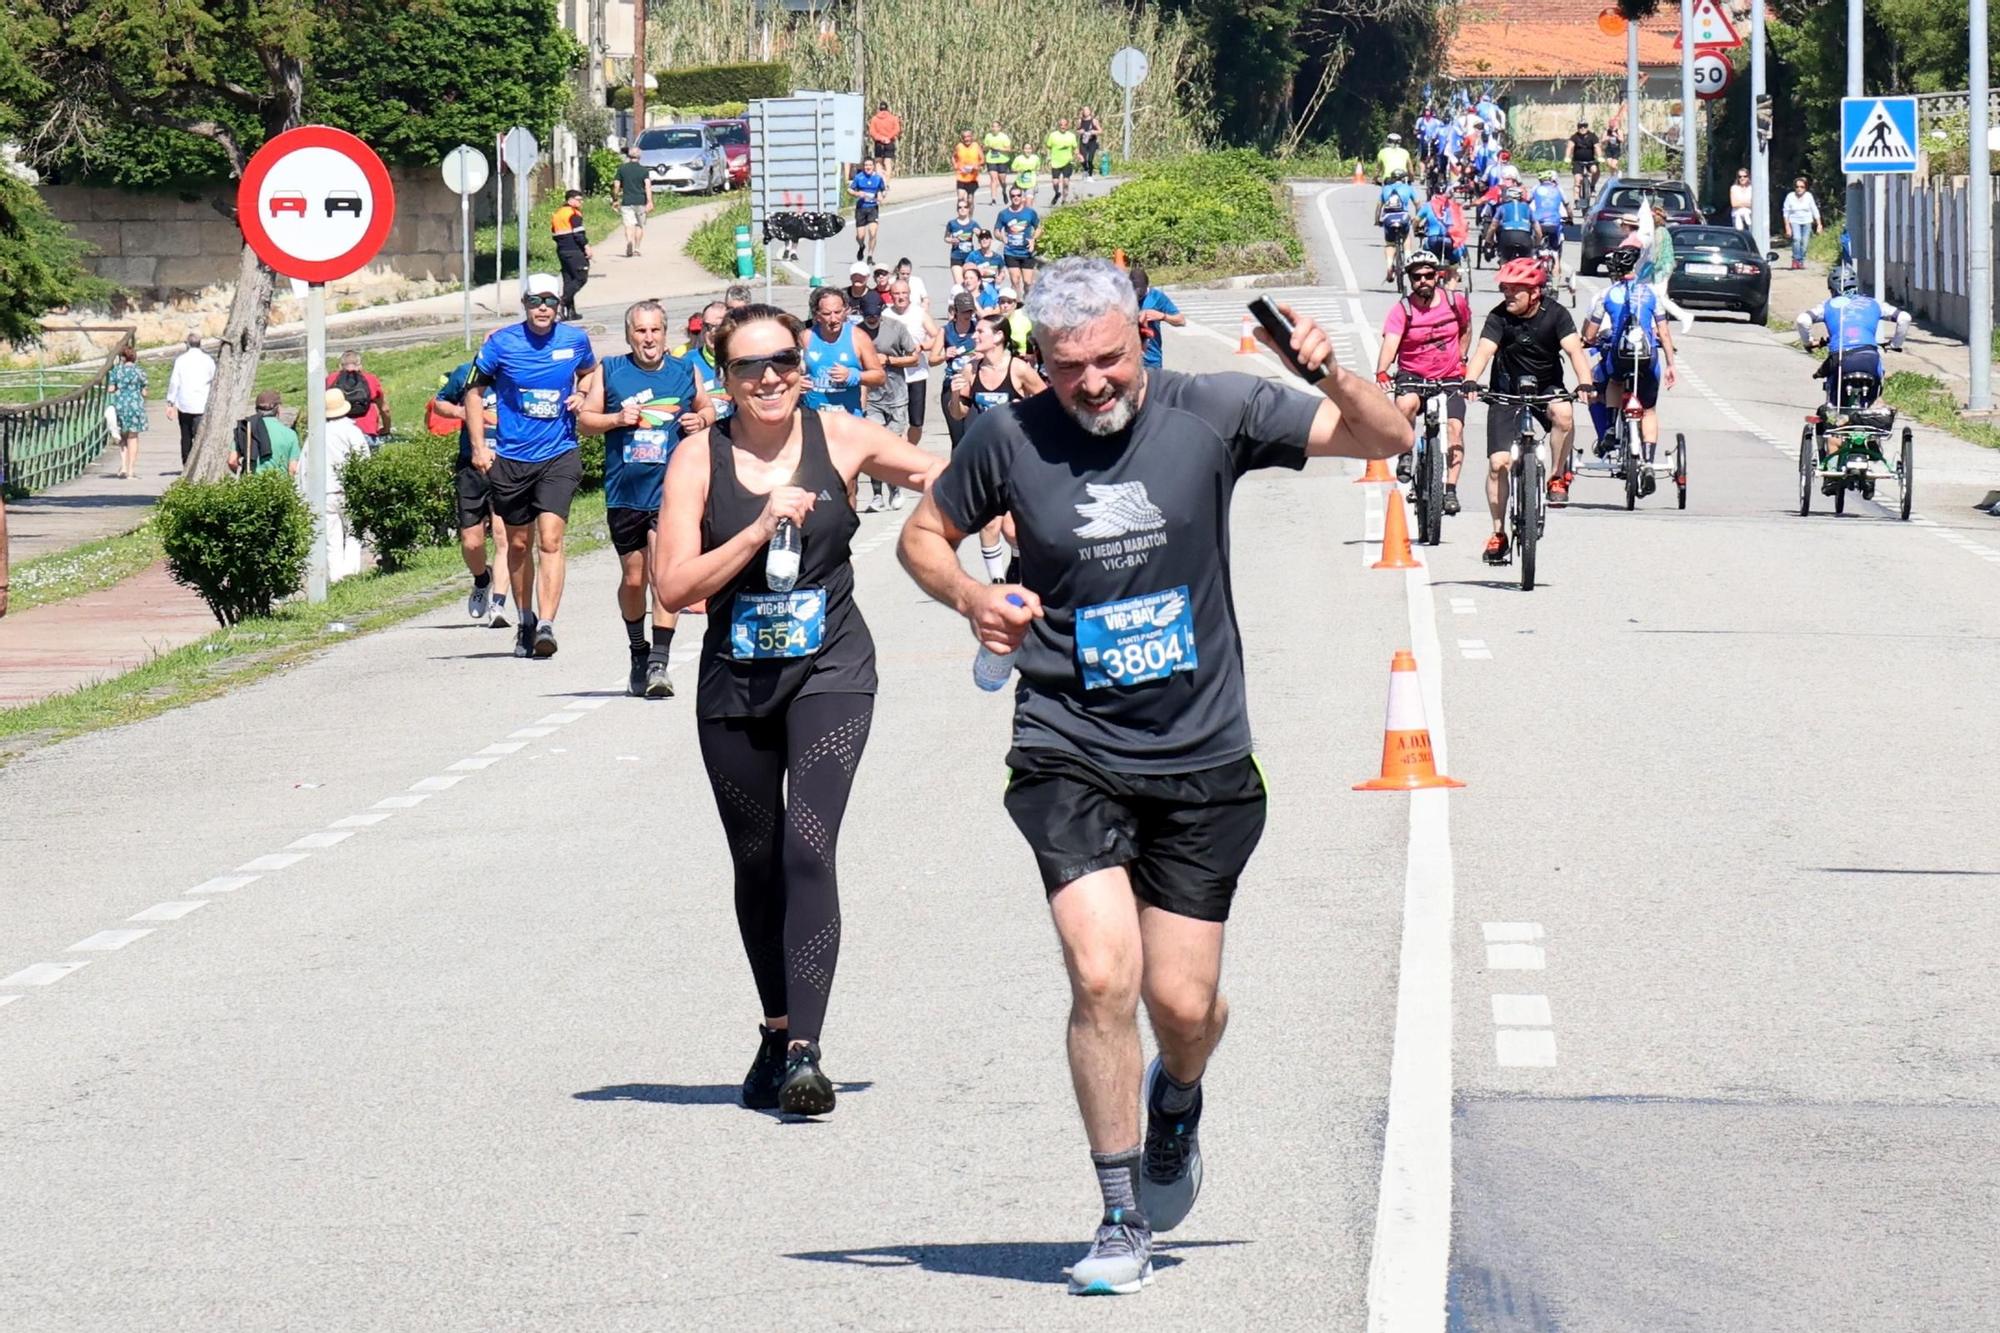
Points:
x=98, y=505
x=90, y=638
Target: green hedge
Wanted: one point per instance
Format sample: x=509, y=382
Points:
x=241, y=544
x=713, y=243
x=600, y=172
x=699, y=85
x=401, y=498
x=1223, y=211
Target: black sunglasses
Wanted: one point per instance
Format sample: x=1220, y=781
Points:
x=1423, y=275
x=532, y=301
x=786, y=362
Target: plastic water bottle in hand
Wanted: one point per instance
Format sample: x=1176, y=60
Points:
x=781, y=561
x=991, y=670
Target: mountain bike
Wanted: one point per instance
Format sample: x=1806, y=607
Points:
x=1428, y=461
x=1527, y=496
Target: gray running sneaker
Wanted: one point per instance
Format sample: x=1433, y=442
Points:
x=545, y=638
x=480, y=604
x=1170, y=1174
x=1120, y=1259
x=659, y=685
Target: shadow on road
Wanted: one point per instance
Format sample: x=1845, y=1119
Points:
x=1040, y=1262
x=687, y=1094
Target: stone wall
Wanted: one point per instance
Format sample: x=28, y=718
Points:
x=181, y=252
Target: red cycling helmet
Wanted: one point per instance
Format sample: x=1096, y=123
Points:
x=1520, y=273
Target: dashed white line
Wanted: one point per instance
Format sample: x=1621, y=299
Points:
x=533, y=733
x=557, y=719
x=104, y=941
x=403, y=802
x=1525, y=1048
x=436, y=784
x=588, y=704
x=325, y=838
x=1475, y=649
x=364, y=820
x=505, y=747
x=8, y=999
x=166, y=911
x=474, y=764
x=224, y=883
x=1463, y=606
x=1498, y=931
x=1521, y=1011
x=43, y=974
x=274, y=861
x=1515, y=958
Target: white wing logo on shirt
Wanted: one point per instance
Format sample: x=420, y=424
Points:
x=1167, y=612
x=1117, y=509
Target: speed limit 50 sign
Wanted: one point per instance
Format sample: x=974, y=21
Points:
x=1711, y=74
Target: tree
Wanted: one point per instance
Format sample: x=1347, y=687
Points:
x=1255, y=55
x=173, y=92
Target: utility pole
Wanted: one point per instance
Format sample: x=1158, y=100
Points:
x=1857, y=188
x=861, y=53
x=1688, y=149
x=638, y=68
x=1979, y=254
x=1760, y=135
x=1633, y=146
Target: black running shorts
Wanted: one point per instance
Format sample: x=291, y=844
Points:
x=1184, y=837
x=522, y=490
x=864, y=214
x=1514, y=245
x=475, y=498
x=629, y=528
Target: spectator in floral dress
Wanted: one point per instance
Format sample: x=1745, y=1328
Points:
x=128, y=404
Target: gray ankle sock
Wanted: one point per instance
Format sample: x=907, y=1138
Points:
x=1173, y=1096
x=1117, y=1179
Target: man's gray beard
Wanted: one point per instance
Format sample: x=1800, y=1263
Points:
x=1118, y=418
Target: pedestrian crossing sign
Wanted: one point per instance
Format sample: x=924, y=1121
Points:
x=1878, y=135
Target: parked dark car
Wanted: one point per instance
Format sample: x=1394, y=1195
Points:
x=734, y=136
x=1619, y=198
x=1718, y=268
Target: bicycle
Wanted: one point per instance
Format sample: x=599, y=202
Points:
x=1527, y=499
x=1586, y=186
x=1630, y=462
x=1857, y=430
x=1427, y=467
x=1550, y=258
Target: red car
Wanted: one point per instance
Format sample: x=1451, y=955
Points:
x=734, y=136
x=291, y=201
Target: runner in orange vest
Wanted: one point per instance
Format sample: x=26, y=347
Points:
x=885, y=127
x=966, y=159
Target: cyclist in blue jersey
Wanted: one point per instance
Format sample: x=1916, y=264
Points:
x=840, y=356
x=1442, y=224
x=1630, y=329
x=537, y=374
x=1395, y=206
x=1511, y=228
x=1853, y=333
x=644, y=404
x=867, y=186
x=1549, y=210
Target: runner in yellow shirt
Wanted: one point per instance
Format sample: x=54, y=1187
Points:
x=1062, y=149
x=1026, y=163
x=999, y=155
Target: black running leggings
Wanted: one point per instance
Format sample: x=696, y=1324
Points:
x=781, y=785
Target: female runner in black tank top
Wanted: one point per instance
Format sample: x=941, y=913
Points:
x=995, y=378
x=787, y=681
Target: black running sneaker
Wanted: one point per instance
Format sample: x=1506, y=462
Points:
x=524, y=640
x=545, y=638
x=1450, y=503
x=767, y=1072
x=635, y=683
x=805, y=1091
x=1403, y=472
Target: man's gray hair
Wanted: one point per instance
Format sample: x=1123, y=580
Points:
x=1073, y=293
x=738, y=293
x=193, y=338
x=646, y=307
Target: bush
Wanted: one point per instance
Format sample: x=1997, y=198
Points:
x=242, y=545
x=713, y=243
x=1207, y=210
x=600, y=172
x=696, y=85
x=590, y=452
x=402, y=497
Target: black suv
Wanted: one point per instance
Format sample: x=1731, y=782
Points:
x=1620, y=197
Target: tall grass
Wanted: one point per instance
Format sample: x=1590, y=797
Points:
x=953, y=66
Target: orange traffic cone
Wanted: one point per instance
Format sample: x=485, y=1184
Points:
x=1406, y=736
x=1247, y=344
x=1395, y=536
x=1118, y=258
x=1360, y=176
x=1375, y=474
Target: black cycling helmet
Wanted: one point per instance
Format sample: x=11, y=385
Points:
x=1621, y=261
x=1842, y=280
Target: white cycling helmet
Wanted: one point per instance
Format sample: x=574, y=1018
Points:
x=1395, y=138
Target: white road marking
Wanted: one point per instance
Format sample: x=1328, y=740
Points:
x=436, y=784
x=1525, y=1048
x=1475, y=649
x=1521, y=1011
x=533, y=733
x=104, y=941
x=505, y=747
x=1463, y=606
x=43, y=974
x=224, y=883
x=474, y=764
x=557, y=719
x=1499, y=931
x=1515, y=958
x=367, y=819
x=8, y=999
x=325, y=838
x=587, y=705
x=405, y=802
x=1410, y=1258
x=166, y=911
x=274, y=861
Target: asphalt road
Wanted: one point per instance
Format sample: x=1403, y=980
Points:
x=441, y=1010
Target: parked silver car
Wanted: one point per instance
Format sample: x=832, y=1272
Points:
x=686, y=159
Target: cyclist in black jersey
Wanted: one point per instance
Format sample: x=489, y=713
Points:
x=786, y=688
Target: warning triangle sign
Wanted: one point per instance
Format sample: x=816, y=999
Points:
x=1710, y=26
x=1880, y=139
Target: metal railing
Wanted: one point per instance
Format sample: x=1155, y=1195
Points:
x=46, y=443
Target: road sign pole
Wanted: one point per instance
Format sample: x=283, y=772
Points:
x=1856, y=199
x=465, y=233
x=1878, y=219
x=1979, y=254
x=499, y=218
x=521, y=217
x=1634, y=146
x=319, y=468
x=819, y=185
x=1688, y=146
x=1760, y=148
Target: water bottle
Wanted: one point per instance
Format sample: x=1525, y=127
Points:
x=781, y=561
x=990, y=670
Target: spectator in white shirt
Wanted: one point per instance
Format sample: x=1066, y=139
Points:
x=1801, y=214
x=187, y=391
x=344, y=440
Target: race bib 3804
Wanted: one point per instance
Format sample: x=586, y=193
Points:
x=1136, y=640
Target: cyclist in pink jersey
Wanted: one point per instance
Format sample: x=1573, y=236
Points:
x=1426, y=337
